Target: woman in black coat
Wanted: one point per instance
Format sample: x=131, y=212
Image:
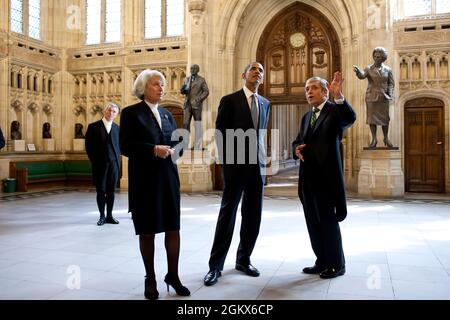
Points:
x=154, y=187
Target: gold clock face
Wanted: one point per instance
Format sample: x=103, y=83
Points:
x=297, y=40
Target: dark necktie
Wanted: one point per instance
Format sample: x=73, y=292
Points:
x=314, y=116
x=254, y=111
x=190, y=86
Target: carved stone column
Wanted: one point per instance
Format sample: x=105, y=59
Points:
x=127, y=99
x=195, y=166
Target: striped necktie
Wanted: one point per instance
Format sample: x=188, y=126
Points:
x=314, y=116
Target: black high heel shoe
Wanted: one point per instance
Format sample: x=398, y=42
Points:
x=178, y=287
x=150, y=293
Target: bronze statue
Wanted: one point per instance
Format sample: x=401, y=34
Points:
x=46, y=131
x=196, y=91
x=15, y=130
x=379, y=93
x=79, y=131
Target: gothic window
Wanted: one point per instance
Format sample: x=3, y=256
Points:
x=103, y=20
x=442, y=6
x=26, y=17
x=17, y=16
x=112, y=21
x=34, y=18
x=175, y=17
x=410, y=8
x=163, y=18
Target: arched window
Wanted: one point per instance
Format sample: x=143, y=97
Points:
x=26, y=17
x=163, y=18
x=411, y=8
x=103, y=21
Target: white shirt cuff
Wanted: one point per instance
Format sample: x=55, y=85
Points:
x=339, y=101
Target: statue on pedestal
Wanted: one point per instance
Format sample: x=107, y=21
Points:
x=15, y=130
x=79, y=131
x=379, y=93
x=196, y=91
x=46, y=131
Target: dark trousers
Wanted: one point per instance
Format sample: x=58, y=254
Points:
x=248, y=185
x=189, y=112
x=323, y=229
x=106, y=181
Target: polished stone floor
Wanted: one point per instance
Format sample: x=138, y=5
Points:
x=51, y=248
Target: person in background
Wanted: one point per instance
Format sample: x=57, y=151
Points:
x=103, y=150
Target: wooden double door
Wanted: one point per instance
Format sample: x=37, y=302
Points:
x=424, y=146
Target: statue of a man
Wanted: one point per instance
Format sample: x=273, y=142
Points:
x=15, y=130
x=79, y=131
x=46, y=131
x=379, y=93
x=196, y=91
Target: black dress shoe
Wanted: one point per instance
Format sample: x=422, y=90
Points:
x=101, y=221
x=315, y=269
x=248, y=269
x=111, y=220
x=332, y=273
x=211, y=277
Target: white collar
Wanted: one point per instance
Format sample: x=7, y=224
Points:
x=106, y=122
x=321, y=105
x=249, y=93
x=151, y=105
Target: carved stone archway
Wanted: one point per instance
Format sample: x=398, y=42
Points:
x=298, y=43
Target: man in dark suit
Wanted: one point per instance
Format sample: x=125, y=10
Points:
x=196, y=91
x=241, y=122
x=2, y=139
x=321, y=183
x=102, y=147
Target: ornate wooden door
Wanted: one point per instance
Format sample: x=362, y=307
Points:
x=297, y=44
x=424, y=146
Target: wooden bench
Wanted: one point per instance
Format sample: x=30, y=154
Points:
x=54, y=172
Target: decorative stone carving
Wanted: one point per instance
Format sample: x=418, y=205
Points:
x=17, y=105
x=48, y=110
x=196, y=9
x=33, y=107
x=79, y=110
x=96, y=109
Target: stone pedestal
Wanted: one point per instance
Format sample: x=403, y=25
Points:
x=78, y=144
x=17, y=145
x=381, y=174
x=194, y=169
x=49, y=144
